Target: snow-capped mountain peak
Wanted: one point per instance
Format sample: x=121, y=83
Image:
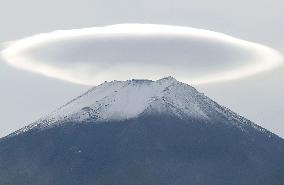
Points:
x=121, y=100
x=124, y=100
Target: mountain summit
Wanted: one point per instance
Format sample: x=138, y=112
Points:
x=124, y=100
x=142, y=132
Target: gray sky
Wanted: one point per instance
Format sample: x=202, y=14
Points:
x=25, y=97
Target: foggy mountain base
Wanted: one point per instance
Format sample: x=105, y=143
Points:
x=147, y=150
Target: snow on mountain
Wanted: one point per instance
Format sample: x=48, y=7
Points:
x=123, y=100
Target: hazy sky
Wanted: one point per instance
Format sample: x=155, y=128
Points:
x=25, y=97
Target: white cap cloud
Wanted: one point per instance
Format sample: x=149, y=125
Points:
x=119, y=52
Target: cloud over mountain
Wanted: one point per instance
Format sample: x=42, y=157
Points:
x=92, y=55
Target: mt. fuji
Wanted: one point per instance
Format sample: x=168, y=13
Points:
x=142, y=132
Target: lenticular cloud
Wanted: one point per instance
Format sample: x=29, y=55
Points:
x=119, y=52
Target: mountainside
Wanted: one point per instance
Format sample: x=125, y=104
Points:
x=142, y=132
